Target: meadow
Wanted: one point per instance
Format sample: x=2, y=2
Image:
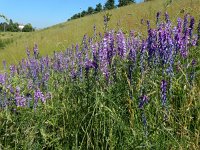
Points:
x=114, y=88
x=61, y=36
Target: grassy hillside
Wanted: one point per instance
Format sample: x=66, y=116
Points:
x=121, y=92
x=60, y=36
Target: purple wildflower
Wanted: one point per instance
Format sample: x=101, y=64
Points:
x=30, y=85
x=73, y=73
x=192, y=73
x=95, y=31
x=111, y=49
x=121, y=43
x=38, y=95
x=178, y=35
x=95, y=58
x=2, y=79
x=151, y=43
x=88, y=65
x=12, y=70
x=194, y=40
x=198, y=33
x=143, y=48
x=103, y=57
x=28, y=52
x=163, y=92
x=48, y=95
x=185, y=23
x=167, y=18
x=185, y=42
x=143, y=100
x=191, y=27
x=148, y=25
x=35, y=51
x=19, y=100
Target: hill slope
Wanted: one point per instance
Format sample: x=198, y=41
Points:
x=60, y=36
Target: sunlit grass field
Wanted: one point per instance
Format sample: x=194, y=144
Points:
x=61, y=36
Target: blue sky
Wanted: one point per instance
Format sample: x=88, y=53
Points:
x=44, y=13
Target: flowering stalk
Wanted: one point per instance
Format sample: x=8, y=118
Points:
x=198, y=33
x=163, y=92
x=143, y=100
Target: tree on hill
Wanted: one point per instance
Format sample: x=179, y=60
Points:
x=28, y=28
x=3, y=26
x=125, y=2
x=13, y=27
x=83, y=13
x=98, y=8
x=110, y=4
x=90, y=10
x=75, y=16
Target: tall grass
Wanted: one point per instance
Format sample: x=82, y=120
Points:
x=114, y=91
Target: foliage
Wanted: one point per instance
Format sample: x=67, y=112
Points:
x=110, y=4
x=28, y=28
x=125, y=2
x=90, y=10
x=83, y=13
x=98, y=8
x=9, y=26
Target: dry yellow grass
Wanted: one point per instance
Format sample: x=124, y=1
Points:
x=60, y=36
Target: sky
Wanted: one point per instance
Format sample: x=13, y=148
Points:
x=44, y=13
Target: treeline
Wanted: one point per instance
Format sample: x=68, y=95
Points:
x=10, y=26
x=110, y=4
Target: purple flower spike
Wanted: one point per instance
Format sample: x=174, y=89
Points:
x=194, y=40
x=185, y=23
x=2, y=79
x=12, y=70
x=19, y=100
x=167, y=18
x=163, y=92
x=198, y=33
x=143, y=100
x=39, y=95
x=103, y=57
x=28, y=52
x=35, y=51
x=148, y=25
x=30, y=85
x=121, y=42
x=191, y=27
x=143, y=48
x=88, y=65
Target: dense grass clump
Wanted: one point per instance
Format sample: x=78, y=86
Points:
x=114, y=91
